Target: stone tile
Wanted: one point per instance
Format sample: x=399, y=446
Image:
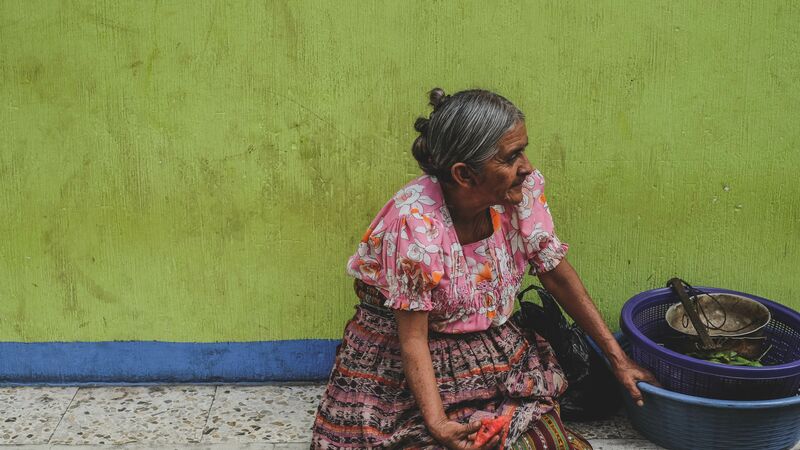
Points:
x=29, y=415
x=615, y=427
x=624, y=444
x=152, y=414
x=139, y=446
x=293, y=446
x=280, y=414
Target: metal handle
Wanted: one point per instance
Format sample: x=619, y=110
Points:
x=677, y=286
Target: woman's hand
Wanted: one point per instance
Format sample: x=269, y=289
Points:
x=628, y=373
x=458, y=436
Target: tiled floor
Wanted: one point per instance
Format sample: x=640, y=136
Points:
x=120, y=415
x=196, y=417
x=262, y=414
x=31, y=415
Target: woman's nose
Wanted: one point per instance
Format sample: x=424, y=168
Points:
x=526, y=168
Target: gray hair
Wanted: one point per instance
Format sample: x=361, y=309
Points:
x=464, y=127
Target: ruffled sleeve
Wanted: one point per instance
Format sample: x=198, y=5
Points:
x=532, y=228
x=402, y=256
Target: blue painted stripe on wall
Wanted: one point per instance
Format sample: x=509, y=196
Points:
x=123, y=362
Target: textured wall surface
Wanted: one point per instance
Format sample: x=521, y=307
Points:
x=200, y=171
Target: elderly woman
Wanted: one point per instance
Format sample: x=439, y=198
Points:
x=431, y=347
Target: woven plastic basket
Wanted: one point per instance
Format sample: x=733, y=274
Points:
x=642, y=322
x=683, y=422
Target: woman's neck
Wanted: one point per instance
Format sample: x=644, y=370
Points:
x=469, y=215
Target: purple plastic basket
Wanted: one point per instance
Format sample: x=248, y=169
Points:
x=642, y=321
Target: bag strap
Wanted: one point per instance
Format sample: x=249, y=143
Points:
x=539, y=290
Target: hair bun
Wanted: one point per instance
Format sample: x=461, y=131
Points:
x=437, y=97
x=423, y=155
x=421, y=125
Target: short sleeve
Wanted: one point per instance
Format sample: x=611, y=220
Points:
x=403, y=258
x=533, y=227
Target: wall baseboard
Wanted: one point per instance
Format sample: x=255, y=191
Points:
x=155, y=362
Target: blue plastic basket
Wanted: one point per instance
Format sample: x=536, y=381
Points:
x=642, y=322
x=683, y=422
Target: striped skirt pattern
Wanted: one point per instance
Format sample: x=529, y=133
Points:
x=549, y=433
x=368, y=404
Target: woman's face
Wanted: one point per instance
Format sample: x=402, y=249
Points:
x=501, y=179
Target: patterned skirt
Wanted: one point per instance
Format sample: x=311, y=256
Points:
x=505, y=370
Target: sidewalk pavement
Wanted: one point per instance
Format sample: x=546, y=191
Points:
x=268, y=417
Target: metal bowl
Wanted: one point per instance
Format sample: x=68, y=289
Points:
x=725, y=315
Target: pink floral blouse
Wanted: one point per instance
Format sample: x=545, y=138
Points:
x=411, y=253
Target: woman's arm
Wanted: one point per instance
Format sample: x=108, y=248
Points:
x=412, y=329
x=565, y=285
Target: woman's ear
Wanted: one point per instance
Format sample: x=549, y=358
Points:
x=462, y=175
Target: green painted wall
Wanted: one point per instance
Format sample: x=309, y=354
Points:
x=200, y=171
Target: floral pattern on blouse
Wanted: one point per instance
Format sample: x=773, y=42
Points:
x=412, y=254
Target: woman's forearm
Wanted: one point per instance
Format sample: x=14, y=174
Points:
x=412, y=328
x=565, y=285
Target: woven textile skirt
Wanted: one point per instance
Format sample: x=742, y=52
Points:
x=368, y=404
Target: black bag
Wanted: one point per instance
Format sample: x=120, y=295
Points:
x=593, y=392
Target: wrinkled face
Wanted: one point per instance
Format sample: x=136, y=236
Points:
x=501, y=179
